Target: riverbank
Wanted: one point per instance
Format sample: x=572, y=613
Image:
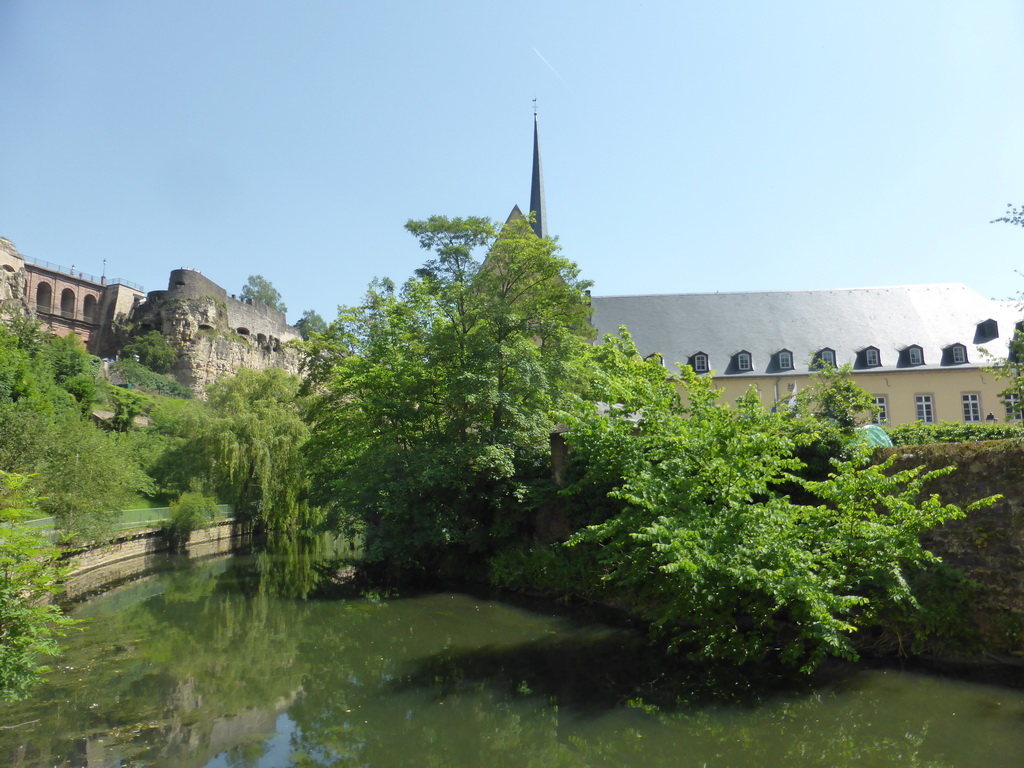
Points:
x=95, y=569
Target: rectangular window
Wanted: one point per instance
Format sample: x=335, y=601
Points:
x=925, y=408
x=700, y=363
x=882, y=412
x=743, y=362
x=959, y=355
x=972, y=406
x=871, y=356
x=785, y=360
x=916, y=358
x=1012, y=403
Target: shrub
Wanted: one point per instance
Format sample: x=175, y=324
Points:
x=919, y=433
x=191, y=512
x=137, y=375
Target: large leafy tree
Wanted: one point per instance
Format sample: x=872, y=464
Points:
x=84, y=475
x=434, y=400
x=311, y=322
x=704, y=537
x=258, y=288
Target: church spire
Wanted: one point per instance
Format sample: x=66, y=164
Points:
x=540, y=224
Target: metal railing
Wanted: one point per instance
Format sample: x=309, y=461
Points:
x=128, y=283
x=151, y=517
x=63, y=270
x=71, y=271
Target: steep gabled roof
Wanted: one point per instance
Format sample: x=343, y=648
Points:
x=847, y=321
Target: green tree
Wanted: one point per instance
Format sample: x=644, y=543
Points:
x=258, y=288
x=30, y=624
x=127, y=406
x=87, y=477
x=833, y=395
x=310, y=322
x=706, y=542
x=243, y=445
x=433, y=406
x=152, y=350
x=67, y=357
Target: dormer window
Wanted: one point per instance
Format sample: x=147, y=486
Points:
x=826, y=358
x=872, y=359
x=785, y=360
x=987, y=330
x=699, y=363
x=957, y=354
x=915, y=355
x=744, y=362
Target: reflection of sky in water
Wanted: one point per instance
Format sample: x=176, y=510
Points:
x=277, y=750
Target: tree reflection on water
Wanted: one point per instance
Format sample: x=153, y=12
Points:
x=246, y=662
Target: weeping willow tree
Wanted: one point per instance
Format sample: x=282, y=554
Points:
x=244, y=445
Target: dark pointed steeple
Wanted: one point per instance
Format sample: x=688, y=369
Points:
x=540, y=223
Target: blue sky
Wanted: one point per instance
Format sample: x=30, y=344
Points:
x=687, y=146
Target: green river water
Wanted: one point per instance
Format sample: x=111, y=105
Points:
x=212, y=664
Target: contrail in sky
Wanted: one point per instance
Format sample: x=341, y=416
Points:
x=548, y=64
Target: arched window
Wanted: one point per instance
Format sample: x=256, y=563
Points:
x=89, y=308
x=44, y=298
x=67, y=304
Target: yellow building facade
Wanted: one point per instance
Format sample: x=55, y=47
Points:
x=923, y=352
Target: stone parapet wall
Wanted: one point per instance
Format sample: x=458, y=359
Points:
x=140, y=551
x=987, y=545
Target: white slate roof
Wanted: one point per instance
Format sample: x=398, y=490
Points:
x=848, y=321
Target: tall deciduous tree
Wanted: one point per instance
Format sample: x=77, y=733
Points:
x=706, y=540
x=258, y=288
x=435, y=401
x=311, y=322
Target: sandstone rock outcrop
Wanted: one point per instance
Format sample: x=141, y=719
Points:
x=213, y=333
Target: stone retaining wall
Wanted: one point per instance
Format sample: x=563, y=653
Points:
x=141, y=551
x=987, y=545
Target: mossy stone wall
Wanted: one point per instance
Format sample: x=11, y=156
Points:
x=987, y=545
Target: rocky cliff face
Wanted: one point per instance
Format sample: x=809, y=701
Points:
x=13, y=278
x=215, y=334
